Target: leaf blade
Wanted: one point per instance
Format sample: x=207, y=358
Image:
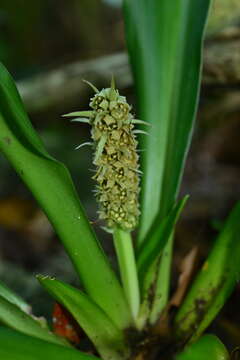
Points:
x=52, y=186
x=157, y=238
x=16, y=346
x=9, y=295
x=12, y=316
x=164, y=41
x=213, y=284
x=108, y=339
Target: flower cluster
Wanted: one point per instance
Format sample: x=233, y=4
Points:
x=115, y=158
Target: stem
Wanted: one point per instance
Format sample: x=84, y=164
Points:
x=127, y=264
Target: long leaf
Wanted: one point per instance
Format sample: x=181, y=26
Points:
x=108, y=339
x=51, y=185
x=16, y=346
x=148, y=261
x=213, y=284
x=157, y=238
x=207, y=347
x=164, y=40
x=17, y=319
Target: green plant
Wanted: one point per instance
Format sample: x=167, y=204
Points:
x=164, y=41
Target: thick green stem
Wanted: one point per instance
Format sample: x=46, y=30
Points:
x=127, y=264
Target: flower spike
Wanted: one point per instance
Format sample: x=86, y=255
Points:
x=115, y=158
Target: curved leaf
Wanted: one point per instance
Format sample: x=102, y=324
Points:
x=16, y=346
x=17, y=319
x=13, y=298
x=213, y=284
x=108, y=339
x=52, y=186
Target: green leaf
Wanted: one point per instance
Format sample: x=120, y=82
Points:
x=207, y=347
x=52, y=186
x=164, y=40
x=16, y=346
x=148, y=260
x=162, y=283
x=108, y=339
x=213, y=284
x=17, y=319
x=157, y=238
x=13, y=298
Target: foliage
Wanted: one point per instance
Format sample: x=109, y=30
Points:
x=164, y=41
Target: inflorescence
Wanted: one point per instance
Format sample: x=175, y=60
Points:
x=115, y=158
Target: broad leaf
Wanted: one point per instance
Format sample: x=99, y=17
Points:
x=108, y=339
x=164, y=40
x=52, y=186
x=16, y=346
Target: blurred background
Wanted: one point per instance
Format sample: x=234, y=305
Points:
x=49, y=46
